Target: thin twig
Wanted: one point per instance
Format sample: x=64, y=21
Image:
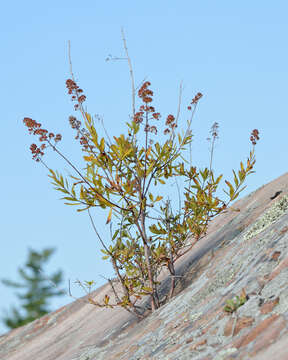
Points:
x=141, y=83
x=94, y=227
x=83, y=112
x=106, y=133
x=131, y=71
x=83, y=178
x=179, y=102
x=63, y=291
x=70, y=62
x=82, y=286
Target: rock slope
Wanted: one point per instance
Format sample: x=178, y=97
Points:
x=245, y=251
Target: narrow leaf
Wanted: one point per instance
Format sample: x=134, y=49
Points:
x=109, y=216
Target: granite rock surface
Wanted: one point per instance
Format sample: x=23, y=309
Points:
x=246, y=249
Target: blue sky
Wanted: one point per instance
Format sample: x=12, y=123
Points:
x=235, y=53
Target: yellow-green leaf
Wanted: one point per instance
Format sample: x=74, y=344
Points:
x=102, y=145
x=106, y=299
x=231, y=193
x=88, y=158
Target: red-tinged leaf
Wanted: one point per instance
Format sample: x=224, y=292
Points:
x=148, y=151
x=109, y=216
x=196, y=182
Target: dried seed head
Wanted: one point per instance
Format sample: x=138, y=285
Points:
x=254, y=137
x=196, y=98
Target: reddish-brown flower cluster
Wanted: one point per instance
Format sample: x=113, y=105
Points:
x=147, y=108
x=37, y=151
x=170, y=122
x=31, y=124
x=84, y=139
x=57, y=138
x=170, y=119
x=151, y=129
x=75, y=124
x=84, y=142
x=138, y=117
x=74, y=89
x=35, y=129
x=156, y=116
x=146, y=94
x=195, y=100
x=254, y=136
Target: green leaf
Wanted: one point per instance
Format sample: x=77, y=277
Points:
x=154, y=230
x=115, y=234
x=147, y=289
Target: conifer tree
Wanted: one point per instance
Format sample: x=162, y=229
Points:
x=37, y=289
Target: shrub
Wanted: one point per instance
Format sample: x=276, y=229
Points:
x=126, y=177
